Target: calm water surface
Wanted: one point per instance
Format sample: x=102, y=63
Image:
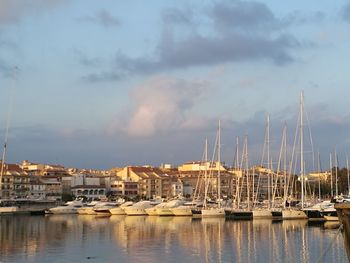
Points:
x=77, y=238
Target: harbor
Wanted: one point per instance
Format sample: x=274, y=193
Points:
x=174, y=131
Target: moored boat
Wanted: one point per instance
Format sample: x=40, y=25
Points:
x=139, y=208
x=103, y=208
x=7, y=210
x=152, y=211
x=314, y=212
x=213, y=212
x=261, y=213
x=240, y=214
x=186, y=209
x=166, y=210
x=330, y=214
x=293, y=214
x=119, y=210
x=25, y=206
x=70, y=207
x=87, y=209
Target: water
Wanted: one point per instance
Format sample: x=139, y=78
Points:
x=73, y=238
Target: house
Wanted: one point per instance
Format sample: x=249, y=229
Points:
x=195, y=166
x=118, y=187
x=32, y=169
x=15, y=182
x=177, y=188
x=153, y=182
x=53, y=187
x=37, y=188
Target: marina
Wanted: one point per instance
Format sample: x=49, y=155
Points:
x=174, y=131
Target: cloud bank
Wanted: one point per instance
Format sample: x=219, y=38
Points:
x=345, y=13
x=160, y=104
x=237, y=31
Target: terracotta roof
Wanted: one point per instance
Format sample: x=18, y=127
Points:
x=88, y=187
x=142, y=169
x=9, y=167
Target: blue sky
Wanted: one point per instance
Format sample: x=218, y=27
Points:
x=111, y=83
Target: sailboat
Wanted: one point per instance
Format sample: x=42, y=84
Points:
x=5, y=206
x=263, y=211
x=292, y=213
x=195, y=207
x=215, y=210
x=240, y=210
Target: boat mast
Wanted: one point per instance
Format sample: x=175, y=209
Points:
x=331, y=168
x=237, y=170
x=319, y=178
x=4, y=152
x=336, y=171
x=247, y=169
x=206, y=182
x=2, y=166
x=268, y=162
x=302, y=148
x=285, y=166
x=347, y=171
x=278, y=172
x=219, y=161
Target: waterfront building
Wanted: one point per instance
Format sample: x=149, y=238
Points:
x=153, y=182
x=15, y=182
x=126, y=188
x=54, y=170
x=91, y=192
x=32, y=169
x=53, y=187
x=323, y=176
x=195, y=166
x=37, y=188
x=191, y=179
x=177, y=188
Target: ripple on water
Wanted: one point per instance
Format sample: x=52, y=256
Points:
x=72, y=238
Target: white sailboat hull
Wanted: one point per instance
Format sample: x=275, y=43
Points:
x=151, y=211
x=117, y=211
x=164, y=212
x=64, y=210
x=135, y=211
x=86, y=211
x=331, y=218
x=181, y=211
x=293, y=214
x=8, y=210
x=262, y=213
x=213, y=212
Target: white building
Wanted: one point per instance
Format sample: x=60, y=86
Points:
x=91, y=192
x=177, y=188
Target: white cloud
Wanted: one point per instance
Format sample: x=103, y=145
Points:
x=161, y=104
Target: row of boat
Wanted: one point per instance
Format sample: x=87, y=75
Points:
x=322, y=211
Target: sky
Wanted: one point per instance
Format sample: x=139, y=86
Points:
x=99, y=84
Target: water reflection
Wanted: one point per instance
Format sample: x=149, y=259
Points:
x=72, y=238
